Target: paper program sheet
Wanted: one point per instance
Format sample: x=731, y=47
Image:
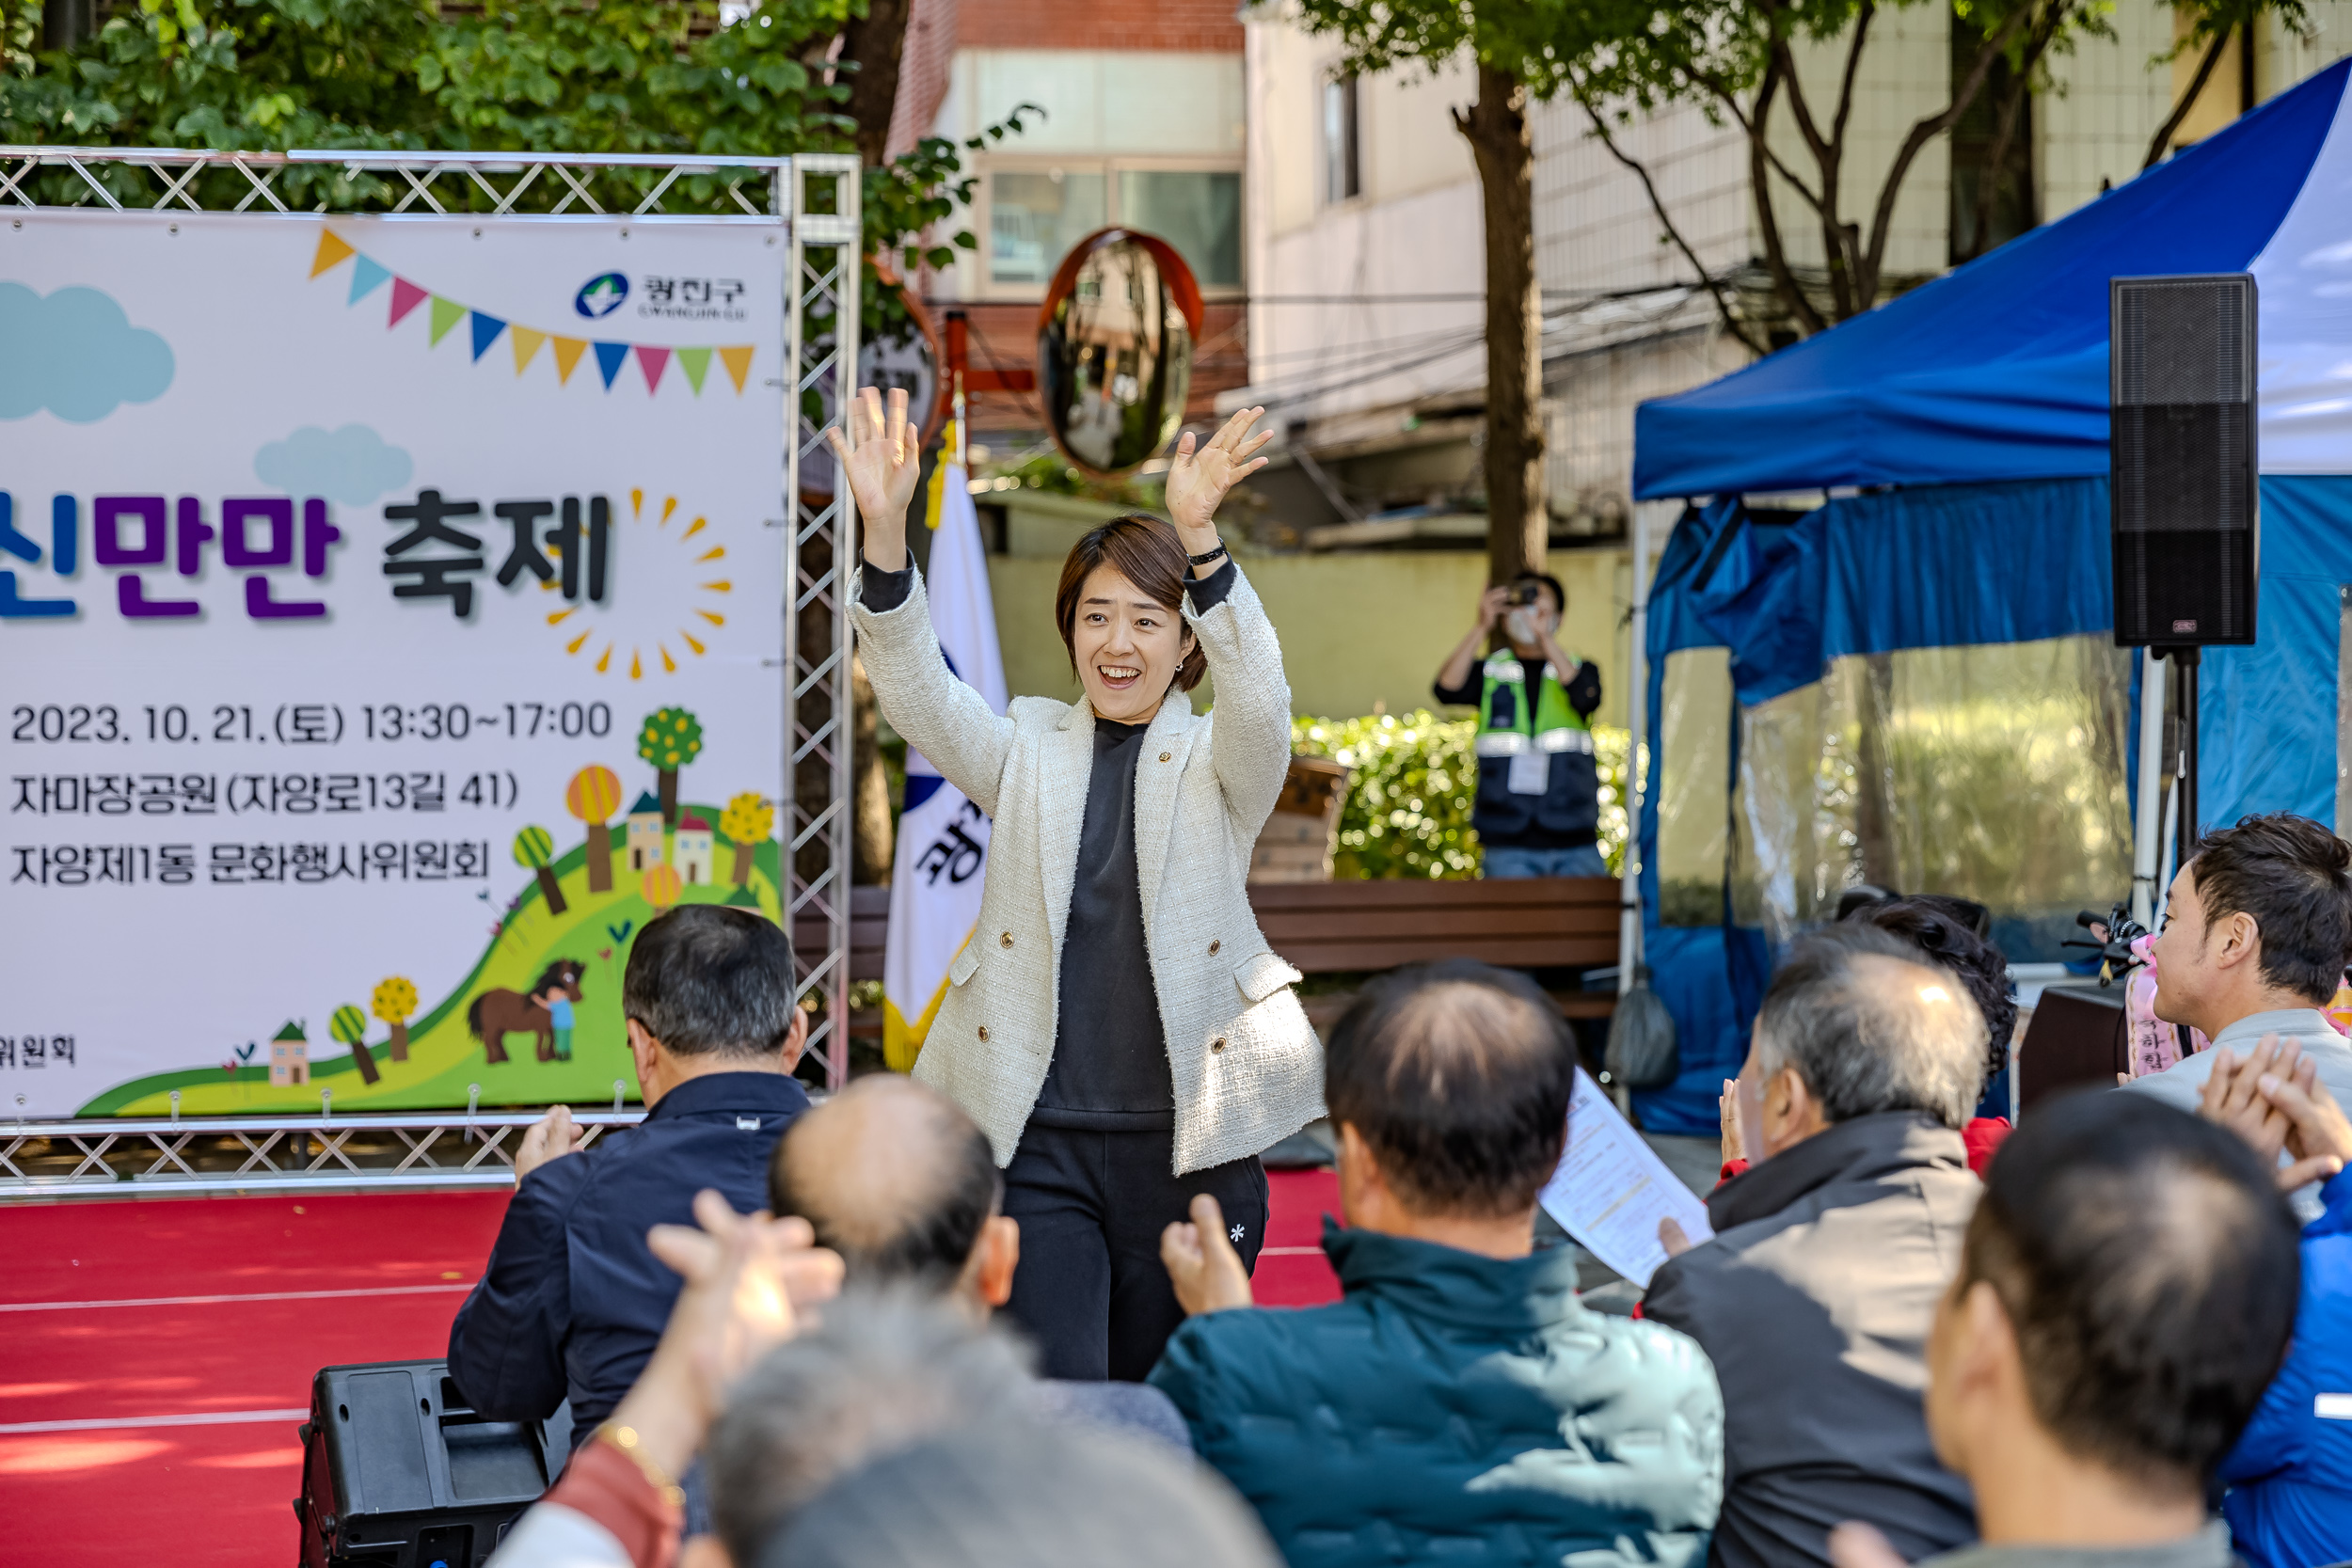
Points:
x=1612, y=1189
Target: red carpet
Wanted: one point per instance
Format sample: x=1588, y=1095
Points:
x=182, y=1446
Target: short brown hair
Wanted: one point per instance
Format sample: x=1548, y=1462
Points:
x=1146, y=551
x=2295, y=878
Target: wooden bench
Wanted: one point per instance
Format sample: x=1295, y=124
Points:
x=1352, y=928
x=1537, y=923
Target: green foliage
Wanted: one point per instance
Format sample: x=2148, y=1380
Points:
x=349, y=1024
x=1521, y=37
x=1415, y=782
x=595, y=76
x=671, y=738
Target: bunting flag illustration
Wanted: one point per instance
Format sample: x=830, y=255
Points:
x=483, y=330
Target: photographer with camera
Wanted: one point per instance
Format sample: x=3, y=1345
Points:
x=1538, y=795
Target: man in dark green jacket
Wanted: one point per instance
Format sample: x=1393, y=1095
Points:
x=1458, y=1403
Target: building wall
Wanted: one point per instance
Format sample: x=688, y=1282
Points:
x=1359, y=629
x=1370, y=302
x=1596, y=231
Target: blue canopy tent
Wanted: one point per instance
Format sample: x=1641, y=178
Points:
x=1962, y=432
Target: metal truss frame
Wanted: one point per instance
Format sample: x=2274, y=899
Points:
x=817, y=195
x=142, y=1156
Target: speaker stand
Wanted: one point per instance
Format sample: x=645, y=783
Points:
x=2185, y=662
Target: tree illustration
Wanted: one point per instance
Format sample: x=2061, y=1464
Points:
x=595, y=795
x=671, y=738
x=395, y=1000
x=747, y=821
x=534, y=847
x=662, y=885
x=350, y=1026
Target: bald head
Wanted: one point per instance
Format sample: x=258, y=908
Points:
x=1870, y=1027
x=893, y=1176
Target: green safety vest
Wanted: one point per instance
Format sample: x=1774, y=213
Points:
x=1554, y=727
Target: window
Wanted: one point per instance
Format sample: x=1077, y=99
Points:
x=1342, y=158
x=1197, y=214
x=1035, y=218
x=1036, y=213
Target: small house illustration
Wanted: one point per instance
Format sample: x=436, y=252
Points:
x=694, y=850
x=289, y=1057
x=644, y=832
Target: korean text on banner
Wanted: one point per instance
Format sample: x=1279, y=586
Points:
x=342, y=625
x=941, y=856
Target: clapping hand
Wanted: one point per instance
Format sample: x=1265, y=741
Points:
x=882, y=457
x=1201, y=1263
x=551, y=1137
x=2273, y=1098
x=1197, y=479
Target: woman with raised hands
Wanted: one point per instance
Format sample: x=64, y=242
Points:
x=1116, y=1023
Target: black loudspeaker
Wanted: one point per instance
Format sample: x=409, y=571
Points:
x=2181, y=450
x=397, y=1472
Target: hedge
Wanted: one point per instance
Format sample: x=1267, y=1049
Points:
x=1416, y=778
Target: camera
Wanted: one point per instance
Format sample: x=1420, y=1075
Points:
x=1522, y=594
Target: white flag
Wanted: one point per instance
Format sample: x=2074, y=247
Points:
x=941, y=856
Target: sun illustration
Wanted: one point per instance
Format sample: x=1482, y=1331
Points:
x=670, y=589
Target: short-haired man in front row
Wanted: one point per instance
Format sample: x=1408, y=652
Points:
x=1459, y=1403
x=1815, y=1296
x=573, y=1300
x=2257, y=929
x=899, y=1181
x=2126, y=1292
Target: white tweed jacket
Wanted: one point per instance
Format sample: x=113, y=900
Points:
x=1247, y=1065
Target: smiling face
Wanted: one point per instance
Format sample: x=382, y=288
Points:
x=1127, y=647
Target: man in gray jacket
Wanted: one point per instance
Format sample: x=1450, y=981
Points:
x=1815, y=1296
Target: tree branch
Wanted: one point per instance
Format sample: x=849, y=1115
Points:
x=2188, y=100
x=1925, y=130
x=1768, y=223
x=1737, y=327
x=2005, y=130
x=1827, y=158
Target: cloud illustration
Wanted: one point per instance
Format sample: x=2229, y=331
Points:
x=353, y=465
x=76, y=355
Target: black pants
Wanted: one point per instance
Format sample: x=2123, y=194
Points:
x=1091, y=1290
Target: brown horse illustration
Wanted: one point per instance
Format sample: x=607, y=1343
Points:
x=495, y=1014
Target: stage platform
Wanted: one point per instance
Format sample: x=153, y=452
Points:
x=159, y=1353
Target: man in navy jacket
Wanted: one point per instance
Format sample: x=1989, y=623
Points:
x=573, y=1300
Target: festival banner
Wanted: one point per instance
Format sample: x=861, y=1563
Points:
x=390, y=610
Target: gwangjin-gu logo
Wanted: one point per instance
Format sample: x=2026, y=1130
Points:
x=601, y=295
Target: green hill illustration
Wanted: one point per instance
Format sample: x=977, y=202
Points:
x=567, y=933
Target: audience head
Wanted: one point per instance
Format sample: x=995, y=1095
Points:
x=1449, y=1084
x=2258, y=918
x=1948, y=931
x=972, y=1499
x=2127, y=1291
x=880, y=1373
x=1857, y=1022
x=894, y=1176
x=707, y=984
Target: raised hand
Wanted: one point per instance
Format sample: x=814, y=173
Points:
x=1197, y=479
x=882, y=457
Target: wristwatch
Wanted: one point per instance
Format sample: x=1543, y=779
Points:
x=1208, y=555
